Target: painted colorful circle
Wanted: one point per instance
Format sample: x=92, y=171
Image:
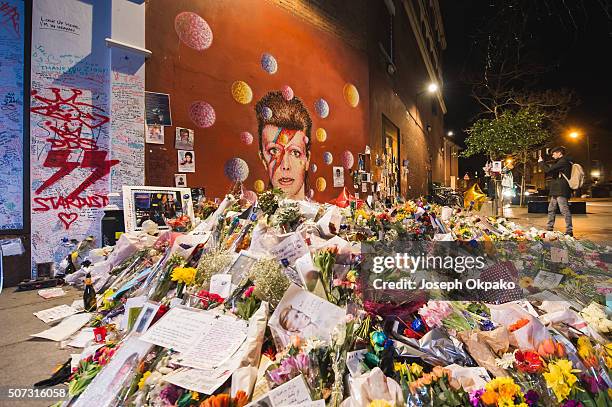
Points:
x=287, y=92
x=246, y=137
x=328, y=157
x=266, y=112
x=321, y=135
x=193, y=30
x=322, y=108
x=241, y=92
x=348, y=160
x=236, y=169
x=202, y=114
x=250, y=196
x=268, y=63
x=259, y=186
x=351, y=95
x=321, y=184
x=313, y=167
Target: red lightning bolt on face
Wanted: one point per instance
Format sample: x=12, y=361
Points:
x=283, y=138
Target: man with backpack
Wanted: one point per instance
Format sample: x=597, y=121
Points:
x=560, y=172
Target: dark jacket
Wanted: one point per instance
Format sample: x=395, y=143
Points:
x=558, y=184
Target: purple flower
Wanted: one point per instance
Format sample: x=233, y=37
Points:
x=487, y=325
x=277, y=376
x=302, y=362
x=572, y=403
x=170, y=394
x=532, y=397
x=590, y=383
x=475, y=397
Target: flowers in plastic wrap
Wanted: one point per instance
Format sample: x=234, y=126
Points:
x=184, y=276
x=270, y=282
x=290, y=367
x=437, y=389
x=596, y=317
x=502, y=392
x=212, y=263
x=180, y=224
x=560, y=378
x=208, y=300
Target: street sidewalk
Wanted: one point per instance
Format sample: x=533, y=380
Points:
x=596, y=225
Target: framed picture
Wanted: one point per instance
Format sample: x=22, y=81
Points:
x=154, y=133
x=183, y=139
x=186, y=161
x=157, y=108
x=141, y=203
x=180, y=180
x=338, y=176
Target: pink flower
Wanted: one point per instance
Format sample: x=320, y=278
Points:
x=434, y=312
x=249, y=291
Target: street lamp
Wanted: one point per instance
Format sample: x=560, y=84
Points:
x=575, y=135
x=432, y=87
x=450, y=133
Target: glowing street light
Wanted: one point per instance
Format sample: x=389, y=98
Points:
x=432, y=87
x=450, y=133
x=574, y=134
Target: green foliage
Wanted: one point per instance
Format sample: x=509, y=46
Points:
x=510, y=133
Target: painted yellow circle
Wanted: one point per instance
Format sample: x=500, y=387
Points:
x=351, y=94
x=321, y=135
x=259, y=186
x=241, y=92
x=321, y=184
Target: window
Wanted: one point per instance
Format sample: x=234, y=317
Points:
x=386, y=41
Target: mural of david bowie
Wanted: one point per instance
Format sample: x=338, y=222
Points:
x=284, y=143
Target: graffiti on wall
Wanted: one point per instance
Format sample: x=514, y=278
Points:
x=11, y=115
x=71, y=124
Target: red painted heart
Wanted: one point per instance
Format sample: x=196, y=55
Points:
x=67, y=218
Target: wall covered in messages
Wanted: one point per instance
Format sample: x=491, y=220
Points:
x=86, y=120
x=11, y=114
x=272, y=99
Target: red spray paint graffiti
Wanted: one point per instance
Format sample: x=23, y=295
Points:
x=71, y=116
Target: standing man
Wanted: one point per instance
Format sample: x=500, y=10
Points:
x=559, y=191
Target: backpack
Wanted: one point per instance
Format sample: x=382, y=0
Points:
x=576, y=178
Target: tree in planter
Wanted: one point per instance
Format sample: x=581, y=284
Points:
x=511, y=133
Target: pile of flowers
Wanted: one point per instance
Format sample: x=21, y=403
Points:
x=359, y=347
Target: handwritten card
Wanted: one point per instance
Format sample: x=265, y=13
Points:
x=64, y=329
x=214, y=345
x=291, y=249
x=291, y=393
x=202, y=381
x=55, y=313
x=221, y=284
x=52, y=292
x=178, y=329
x=546, y=279
x=558, y=255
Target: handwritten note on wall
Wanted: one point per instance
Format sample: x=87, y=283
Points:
x=127, y=119
x=11, y=114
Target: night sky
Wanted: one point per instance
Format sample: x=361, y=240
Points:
x=574, y=41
